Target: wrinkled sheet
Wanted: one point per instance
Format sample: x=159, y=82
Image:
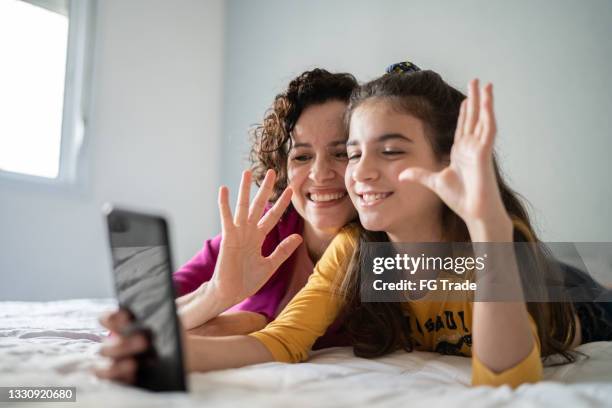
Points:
x=56, y=344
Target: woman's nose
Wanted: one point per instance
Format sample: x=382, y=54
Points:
x=321, y=171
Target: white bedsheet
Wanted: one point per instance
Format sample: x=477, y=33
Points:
x=56, y=343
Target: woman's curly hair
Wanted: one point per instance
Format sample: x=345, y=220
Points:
x=271, y=140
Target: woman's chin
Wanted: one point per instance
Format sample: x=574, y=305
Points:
x=328, y=223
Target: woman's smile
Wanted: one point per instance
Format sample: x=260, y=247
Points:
x=324, y=198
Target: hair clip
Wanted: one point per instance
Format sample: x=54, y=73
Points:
x=405, y=67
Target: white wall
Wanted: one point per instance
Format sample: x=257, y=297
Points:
x=177, y=82
x=153, y=141
x=550, y=62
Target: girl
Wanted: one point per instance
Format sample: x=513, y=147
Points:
x=421, y=169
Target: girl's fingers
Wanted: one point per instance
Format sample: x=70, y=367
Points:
x=460, y=121
x=123, y=370
x=262, y=197
x=284, y=250
x=472, y=108
x=117, y=347
x=225, y=211
x=115, y=321
x=271, y=218
x=242, y=204
x=419, y=175
x=489, y=127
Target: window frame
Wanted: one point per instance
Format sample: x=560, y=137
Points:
x=77, y=91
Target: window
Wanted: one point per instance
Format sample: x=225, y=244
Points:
x=45, y=47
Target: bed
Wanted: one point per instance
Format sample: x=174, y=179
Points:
x=56, y=344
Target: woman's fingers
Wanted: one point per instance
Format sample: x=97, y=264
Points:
x=225, y=211
x=472, y=108
x=271, y=218
x=283, y=251
x=242, y=204
x=263, y=195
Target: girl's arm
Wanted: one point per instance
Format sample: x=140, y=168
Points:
x=502, y=337
x=199, y=353
x=499, y=325
x=288, y=338
x=214, y=353
x=239, y=272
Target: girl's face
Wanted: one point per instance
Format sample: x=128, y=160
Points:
x=383, y=143
x=316, y=166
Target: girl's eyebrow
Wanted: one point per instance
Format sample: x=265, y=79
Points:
x=384, y=138
x=392, y=136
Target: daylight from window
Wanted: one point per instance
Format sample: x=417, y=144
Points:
x=33, y=43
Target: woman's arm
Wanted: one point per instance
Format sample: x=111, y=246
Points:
x=204, y=305
x=183, y=300
x=241, y=270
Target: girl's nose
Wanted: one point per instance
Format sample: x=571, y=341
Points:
x=365, y=169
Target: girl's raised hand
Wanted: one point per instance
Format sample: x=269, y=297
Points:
x=468, y=185
x=241, y=270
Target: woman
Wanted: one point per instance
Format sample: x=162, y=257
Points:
x=420, y=170
x=302, y=139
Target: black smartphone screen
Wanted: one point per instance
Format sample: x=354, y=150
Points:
x=142, y=267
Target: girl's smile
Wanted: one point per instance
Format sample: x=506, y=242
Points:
x=371, y=198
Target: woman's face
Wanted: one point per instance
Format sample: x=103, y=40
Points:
x=316, y=166
x=382, y=143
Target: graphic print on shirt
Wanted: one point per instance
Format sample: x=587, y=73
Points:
x=454, y=336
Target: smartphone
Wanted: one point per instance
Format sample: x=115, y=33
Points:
x=142, y=271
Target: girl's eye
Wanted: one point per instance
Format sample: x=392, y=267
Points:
x=354, y=156
x=392, y=152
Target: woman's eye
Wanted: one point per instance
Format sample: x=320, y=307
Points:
x=341, y=155
x=301, y=158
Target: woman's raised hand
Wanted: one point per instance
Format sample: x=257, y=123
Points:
x=241, y=270
x=468, y=185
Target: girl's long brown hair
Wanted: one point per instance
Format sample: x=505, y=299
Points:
x=379, y=328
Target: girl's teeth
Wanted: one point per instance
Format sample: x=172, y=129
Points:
x=368, y=198
x=326, y=197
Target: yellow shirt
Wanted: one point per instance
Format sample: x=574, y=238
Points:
x=443, y=326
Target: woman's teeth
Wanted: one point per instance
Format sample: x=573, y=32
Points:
x=321, y=198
